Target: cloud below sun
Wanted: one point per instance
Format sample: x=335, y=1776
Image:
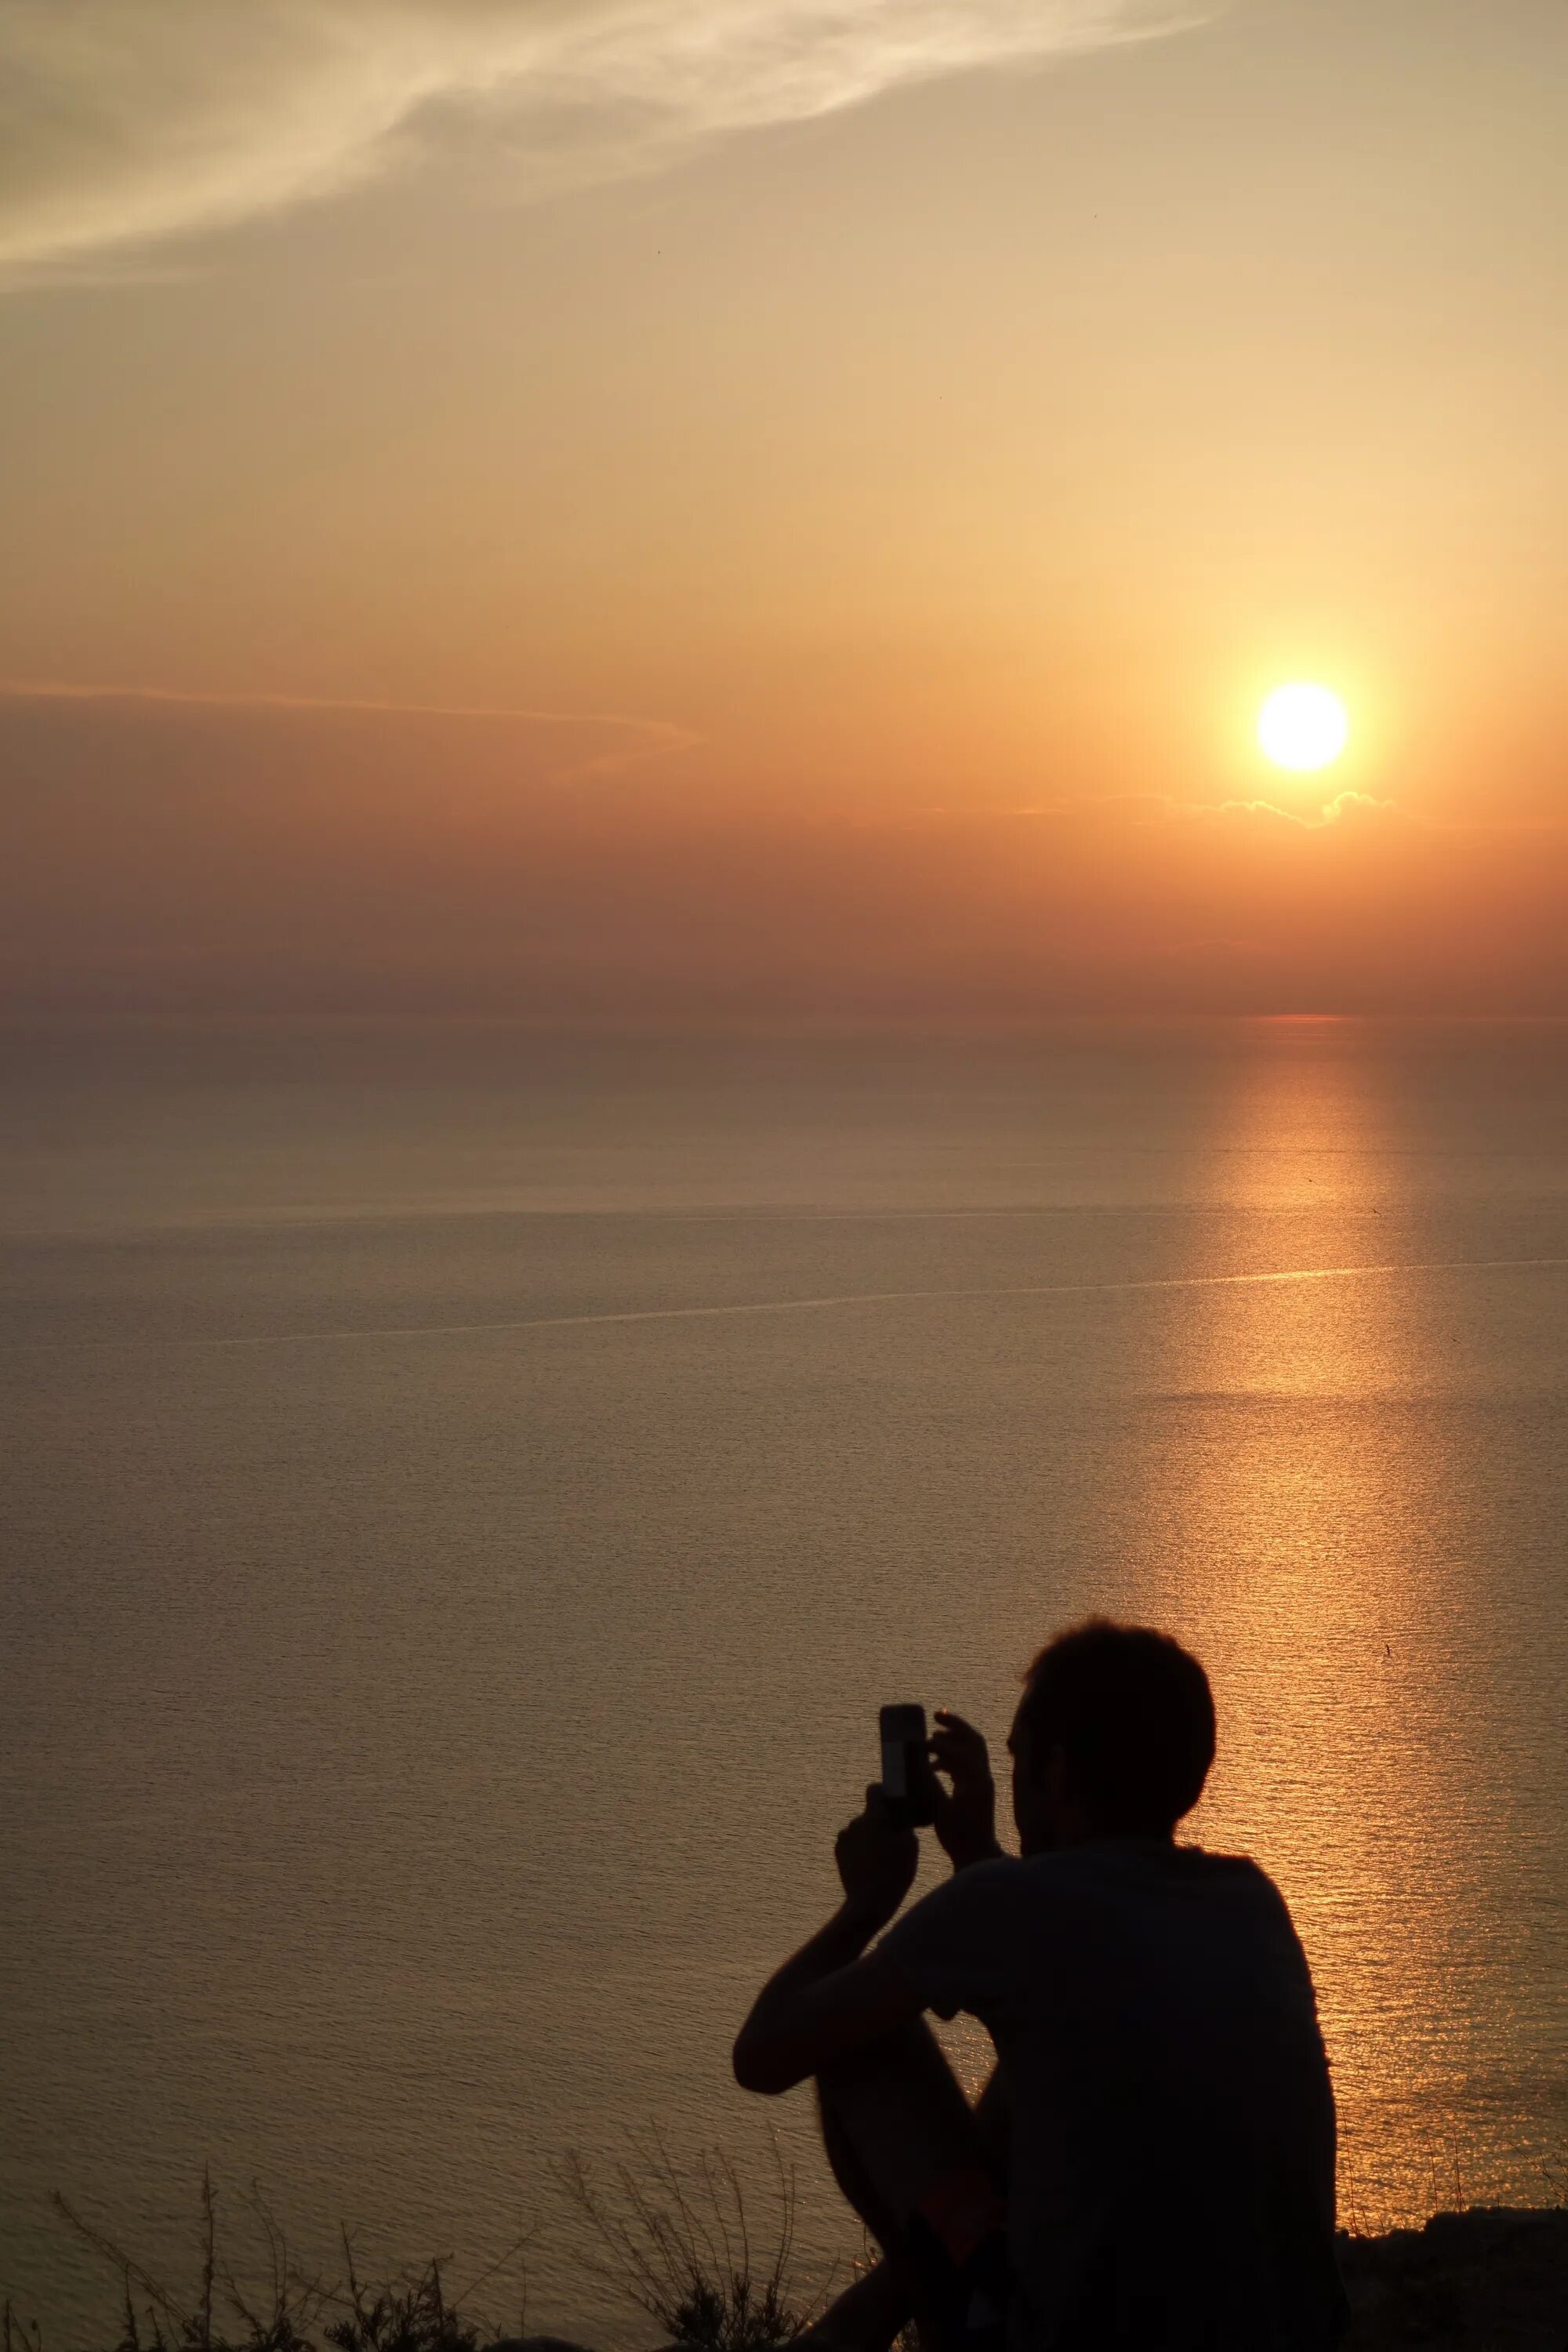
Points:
x=124, y=122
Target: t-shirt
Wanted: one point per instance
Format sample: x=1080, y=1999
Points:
x=1170, y=2184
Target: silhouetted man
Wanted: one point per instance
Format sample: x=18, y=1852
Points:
x=1151, y=2166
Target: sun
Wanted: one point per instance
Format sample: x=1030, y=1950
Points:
x=1303, y=727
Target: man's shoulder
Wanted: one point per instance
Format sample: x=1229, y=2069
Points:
x=1141, y=1857
x=1153, y=1871
x=1126, y=1876
x=1232, y=1876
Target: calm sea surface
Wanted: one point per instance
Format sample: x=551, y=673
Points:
x=464, y=1502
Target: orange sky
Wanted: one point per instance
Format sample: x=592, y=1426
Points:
x=896, y=447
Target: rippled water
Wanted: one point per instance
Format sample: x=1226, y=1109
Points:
x=466, y=1502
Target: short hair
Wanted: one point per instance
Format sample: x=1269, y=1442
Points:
x=1133, y=1715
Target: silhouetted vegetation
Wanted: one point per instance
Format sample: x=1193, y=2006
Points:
x=711, y=2264
x=289, y=2310
x=683, y=2244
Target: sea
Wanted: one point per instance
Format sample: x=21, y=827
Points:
x=466, y=1494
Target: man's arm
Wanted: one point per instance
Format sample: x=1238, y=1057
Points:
x=830, y=1998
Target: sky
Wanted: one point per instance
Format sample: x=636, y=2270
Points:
x=692, y=511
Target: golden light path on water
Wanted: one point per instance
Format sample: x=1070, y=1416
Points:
x=1325, y=1637
x=1312, y=1546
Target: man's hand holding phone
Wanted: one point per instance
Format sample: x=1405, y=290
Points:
x=966, y=1808
x=877, y=1858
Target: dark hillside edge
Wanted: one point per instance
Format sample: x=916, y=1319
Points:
x=1489, y=2279
x=1492, y=2279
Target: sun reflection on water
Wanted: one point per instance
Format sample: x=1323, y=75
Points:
x=1303, y=1535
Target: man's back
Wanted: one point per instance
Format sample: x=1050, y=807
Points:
x=1172, y=2140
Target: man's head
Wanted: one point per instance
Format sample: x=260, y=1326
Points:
x=1113, y=1736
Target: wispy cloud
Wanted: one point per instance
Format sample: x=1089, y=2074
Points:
x=1162, y=808
x=566, y=746
x=1333, y=812
x=124, y=122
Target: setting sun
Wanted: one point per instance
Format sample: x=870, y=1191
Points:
x=1302, y=727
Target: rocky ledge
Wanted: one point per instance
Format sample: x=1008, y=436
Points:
x=1489, y=2280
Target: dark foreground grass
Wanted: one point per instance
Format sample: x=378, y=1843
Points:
x=711, y=2265
x=274, y=2307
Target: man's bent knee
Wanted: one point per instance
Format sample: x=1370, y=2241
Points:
x=896, y=2122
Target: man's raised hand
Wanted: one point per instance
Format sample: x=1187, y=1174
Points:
x=966, y=1810
x=877, y=1862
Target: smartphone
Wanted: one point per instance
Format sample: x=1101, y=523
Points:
x=908, y=1782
